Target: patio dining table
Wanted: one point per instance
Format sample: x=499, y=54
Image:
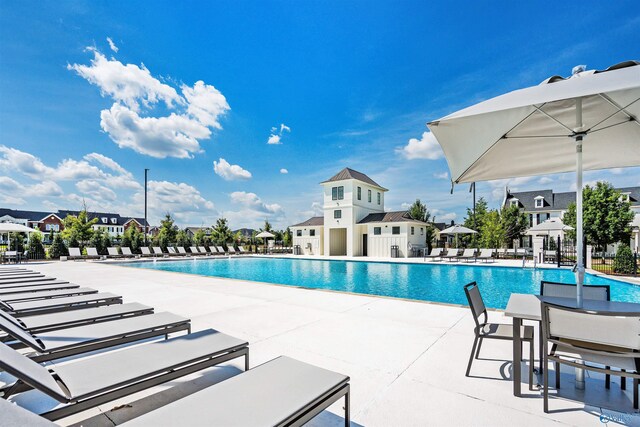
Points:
x=528, y=307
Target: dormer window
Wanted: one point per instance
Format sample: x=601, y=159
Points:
x=624, y=197
x=114, y=220
x=539, y=202
x=104, y=219
x=513, y=202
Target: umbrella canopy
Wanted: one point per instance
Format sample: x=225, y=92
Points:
x=542, y=130
x=9, y=227
x=547, y=227
x=458, y=229
x=265, y=235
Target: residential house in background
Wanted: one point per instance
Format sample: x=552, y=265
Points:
x=541, y=205
x=355, y=222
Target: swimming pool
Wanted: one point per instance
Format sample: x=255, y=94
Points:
x=426, y=282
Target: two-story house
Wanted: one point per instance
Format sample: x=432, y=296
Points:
x=541, y=205
x=354, y=221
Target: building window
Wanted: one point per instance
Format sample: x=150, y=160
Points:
x=421, y=231
x=395, y=230
x=378, y=197
x=337, y=193
x=114, y=220
x=298, y=233
x=312, y=233
x=540, y=203
x=548, y=215
x=52, y=227
x=104, y=220
x=359, y=193
x=513, y=202
x=412, y=231
x=537, y=218
x=624, y=197
x=337, y=214
x=530, y=220
x=369, y=195
x=377, y=231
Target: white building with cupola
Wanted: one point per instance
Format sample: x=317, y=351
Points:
x=355, y=223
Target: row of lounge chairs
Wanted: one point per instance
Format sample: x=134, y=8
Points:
x=156, y=251
x=468, y=255
x=46, y=319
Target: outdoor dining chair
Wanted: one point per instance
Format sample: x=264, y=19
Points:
x=498, y=331
x=604, y=342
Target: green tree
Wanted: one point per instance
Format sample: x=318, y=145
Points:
x=287, y=237
x=514, y=223
x=35, y=248
x=475, y=222
x=429, y=235
x=198, y=237
x=492, y=233
x=100, y=240
x=167, y=234
x=267, y=226
x=623, y=263
x=419, y=211
x=221, y=233
x=78, y=229
x=606, y=218
x=133, y=238
x=17, y=241
x=183, y=239
x=58, y=248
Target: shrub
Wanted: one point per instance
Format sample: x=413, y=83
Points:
x=58, y=248
x=623, y=263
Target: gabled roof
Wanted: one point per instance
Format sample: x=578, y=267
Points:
x=561, y=201
x=397, y=216
x=311, y=222
x=348, y=173
x=21, y=214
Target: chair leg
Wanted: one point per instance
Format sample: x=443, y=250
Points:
x=607, y=378
x=557, y=375
x=479, y=346
x=473, y=352
x=531, y=363
x=545, y=385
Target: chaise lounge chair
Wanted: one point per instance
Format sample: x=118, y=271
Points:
x=20, y=275
x=203, y=250
x=182, y=251
x=281, y=392
x=54, y=305
x=45, y=294
x=49, y=281
x=93, y=253
x=486, y=255
x=32, y=279
x=435, y=253
x=88, y=382
x=467, y=255
x=37, y=288
x=221, y=250
x=68, y=319
x=74, y=253
x=113, y=253
x=242, y=250
x=452, y=255
x=157, y=251
x=232, y=250
x=194, y=250
x=145, y=251
x=172, y=251
x=87, y=338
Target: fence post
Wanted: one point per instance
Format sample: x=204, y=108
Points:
x=635, y=263
x=558, y=251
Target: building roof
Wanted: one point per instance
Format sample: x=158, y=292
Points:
x=311, y=222
x=348, y=173
x=397, y=216
x=561, y=201
x=62, y=214
x=28, y=215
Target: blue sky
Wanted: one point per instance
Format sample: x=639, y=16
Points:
x=93, y=92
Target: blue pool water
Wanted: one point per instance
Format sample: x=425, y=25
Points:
x=427, y=282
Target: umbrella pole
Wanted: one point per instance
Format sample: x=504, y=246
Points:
x=579, y=231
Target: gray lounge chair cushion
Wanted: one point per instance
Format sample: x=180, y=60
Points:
x=15, y=416
x=88, y=376
x=38, y=283
x=87, y=334
x=26, y=296
x=60, y=302
x=25, y=280
x=267, y=395
x=50, y=321
x=38, y=288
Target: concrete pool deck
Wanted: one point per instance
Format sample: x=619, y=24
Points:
x=406, y=359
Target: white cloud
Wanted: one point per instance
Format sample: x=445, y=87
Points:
x=106, y=162
x=230, y=172
x=14, y=160
x=443, y=216
x=96, y=190
x=276, y=134
x=197, y=111
x=171, y=136
x=274, y=139
x=425, y=148
x=443, y=175
x=44, y=189
x=252, y=201
x=284, y=171
x=112, y=45
x=545, y=180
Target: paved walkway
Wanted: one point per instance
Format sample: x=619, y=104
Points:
x=406, y=359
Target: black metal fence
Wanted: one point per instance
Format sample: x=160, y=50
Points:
x=605, y=262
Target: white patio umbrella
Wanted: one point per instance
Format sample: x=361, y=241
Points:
x=9, y=227
x=458, y=229
x=543, y=129
x=265, y=235
x=546, y=227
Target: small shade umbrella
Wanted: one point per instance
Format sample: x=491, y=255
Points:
x=9, y=227
x=544, y=129
x=546, y=227
x=265, y=235
x=458, y=229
